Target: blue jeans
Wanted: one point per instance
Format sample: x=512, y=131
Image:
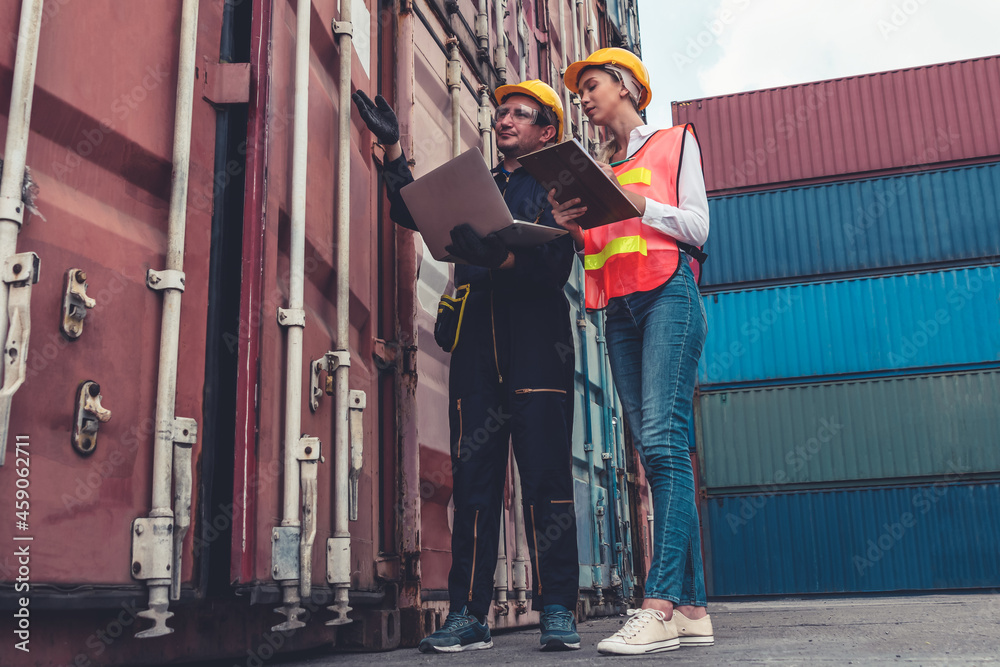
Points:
x=654, y=341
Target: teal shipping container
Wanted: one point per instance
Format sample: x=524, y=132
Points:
x=881, y=324
x=844, y=433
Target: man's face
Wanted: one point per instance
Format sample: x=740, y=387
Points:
x=515, y=137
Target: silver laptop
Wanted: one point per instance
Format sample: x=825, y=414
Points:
x=463, y=190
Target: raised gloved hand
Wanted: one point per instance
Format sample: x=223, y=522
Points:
x=379, y=117
x=488, y=251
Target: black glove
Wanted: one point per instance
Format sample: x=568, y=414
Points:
x=379, y=117
x=488, y=251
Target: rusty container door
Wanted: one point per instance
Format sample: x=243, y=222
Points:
x=259, y=474
x=100, y=152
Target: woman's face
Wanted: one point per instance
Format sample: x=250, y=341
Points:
x=601, y=95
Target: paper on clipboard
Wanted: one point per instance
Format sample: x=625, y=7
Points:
x=463, y=190
x=570, y=169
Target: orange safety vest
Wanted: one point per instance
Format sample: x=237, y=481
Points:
x=628, y=256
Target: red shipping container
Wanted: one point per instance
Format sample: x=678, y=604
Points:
x=859, y=126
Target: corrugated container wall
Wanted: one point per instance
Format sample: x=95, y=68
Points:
x=855, y=126
x=879, y=430
x=882, y=324
x=861, y=226
x=923, y=537
x=854, y=333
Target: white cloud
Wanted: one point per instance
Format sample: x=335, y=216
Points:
x=765, y=43
x=784, y=41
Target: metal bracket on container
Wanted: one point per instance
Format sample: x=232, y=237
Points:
x=164, y=280
x=185, y=431
x=226, y=83
x=485, y=116
x=75, y=303
x=151, y=547
x=356, y=404
x=285, y=553
x=89, y=415
x=391, y=356
x=12, y=208
x=343, y=28
x=328, y=362
x=308, y=455
x=185, y=434
x=20, y=272
x=291, y=317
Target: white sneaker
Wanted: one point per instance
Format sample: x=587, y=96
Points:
x=647, y=631
x=694, y=632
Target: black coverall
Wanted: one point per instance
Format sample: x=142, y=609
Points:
x=511, y=380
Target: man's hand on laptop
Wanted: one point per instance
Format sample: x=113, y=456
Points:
x=487, y=251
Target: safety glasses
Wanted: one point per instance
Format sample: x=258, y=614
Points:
x=519, y=113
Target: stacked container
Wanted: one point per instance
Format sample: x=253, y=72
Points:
x=847, y=419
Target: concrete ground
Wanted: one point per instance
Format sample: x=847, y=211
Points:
x=912, y=630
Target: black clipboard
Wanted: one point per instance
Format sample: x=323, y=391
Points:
x=573, y=173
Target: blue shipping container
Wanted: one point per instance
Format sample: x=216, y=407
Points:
x=909, y=538
x=873, y=224
x=883, y=324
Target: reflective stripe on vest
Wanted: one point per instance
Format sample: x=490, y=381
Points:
x=633, y=176
x=615, y=247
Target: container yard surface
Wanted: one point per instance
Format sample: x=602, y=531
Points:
x=952, y=629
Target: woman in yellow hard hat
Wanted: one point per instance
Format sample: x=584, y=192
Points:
x=639, y=271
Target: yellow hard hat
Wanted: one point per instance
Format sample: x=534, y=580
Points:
x=541, y=92
x=612, y=56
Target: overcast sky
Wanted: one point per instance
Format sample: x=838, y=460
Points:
x=701, y=48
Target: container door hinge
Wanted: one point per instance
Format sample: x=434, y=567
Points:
x=329, y=362
x=19, y=273
x=309, y=455
x=75, y=303
x=285, y=553
x=185, y=435
x=151, y=547
x=392, y=357
x=356, y=403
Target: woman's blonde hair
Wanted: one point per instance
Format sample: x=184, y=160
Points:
x=607, y=149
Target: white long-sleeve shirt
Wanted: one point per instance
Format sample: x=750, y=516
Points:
x=688, y=221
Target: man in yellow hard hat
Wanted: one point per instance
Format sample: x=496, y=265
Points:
x=511, y=380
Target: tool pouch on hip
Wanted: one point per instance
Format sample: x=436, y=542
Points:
x=449, y=318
